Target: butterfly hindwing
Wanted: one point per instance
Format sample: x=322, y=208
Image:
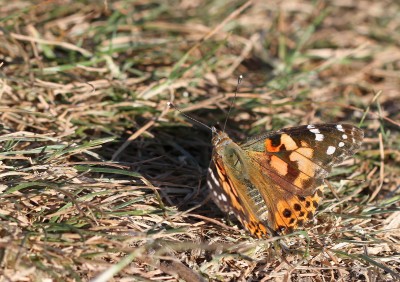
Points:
x=290, y=211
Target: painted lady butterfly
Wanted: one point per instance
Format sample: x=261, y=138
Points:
x=273, y=182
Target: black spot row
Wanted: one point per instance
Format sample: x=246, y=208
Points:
x=287, y=213
x=297, y=207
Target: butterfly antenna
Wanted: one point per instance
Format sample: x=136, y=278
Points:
x=233, y=100
x=187, y=116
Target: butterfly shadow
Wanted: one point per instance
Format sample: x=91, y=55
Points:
x=174, y=159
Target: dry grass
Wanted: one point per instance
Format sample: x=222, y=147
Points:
x=99, y=180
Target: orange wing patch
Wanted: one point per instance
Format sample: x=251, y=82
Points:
x=288, y=142
x=270, y=147
x=279, y=165
x=302, y=157
x=280, y=143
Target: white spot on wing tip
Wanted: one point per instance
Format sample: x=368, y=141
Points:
x=340, y=127
x=341, y=144
x=319, y=137
x=344, y=136
x=315, y=130
x=310, y=126
x=330, y=150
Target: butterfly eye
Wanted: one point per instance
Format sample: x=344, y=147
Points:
x=232, y=157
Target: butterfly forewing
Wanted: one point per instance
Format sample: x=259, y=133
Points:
x=273, y=181
x=299, y=158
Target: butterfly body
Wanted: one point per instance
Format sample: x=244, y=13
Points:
x=272, y=182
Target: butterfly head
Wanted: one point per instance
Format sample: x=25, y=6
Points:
x=220, y=138
x=227, y=151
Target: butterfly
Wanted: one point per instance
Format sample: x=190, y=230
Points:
x=273, y=182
